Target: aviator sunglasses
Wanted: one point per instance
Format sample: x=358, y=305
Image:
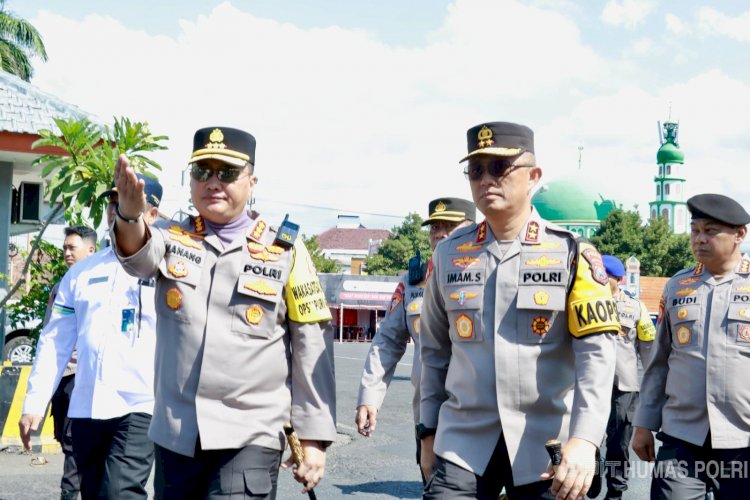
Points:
x=496, y=168
x=202, y=173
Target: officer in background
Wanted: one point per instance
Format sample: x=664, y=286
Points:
x=517, y=339
x=636, y=336
x=402, y=320
x=245, y=343
x=79, y=243
x=694, y=389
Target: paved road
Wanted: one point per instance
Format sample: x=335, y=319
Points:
x=379, y=468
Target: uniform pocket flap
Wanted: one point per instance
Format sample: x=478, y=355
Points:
x=549, y=298
x=257, y=481
x=683, y=314
x=251, y=285
x=739, y=312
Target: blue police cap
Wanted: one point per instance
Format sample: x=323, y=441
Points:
x=614, y=266
x=152, y=189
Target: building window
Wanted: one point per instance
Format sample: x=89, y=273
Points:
x=666, y=188
x=658, y=190
x=660, y=171
x=653, y=214
x=669, y=169
x=665, y=213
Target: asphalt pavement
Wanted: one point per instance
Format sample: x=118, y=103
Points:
x=381, y=467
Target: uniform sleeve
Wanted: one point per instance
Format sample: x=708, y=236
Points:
x=592, y=311
x=387, y=349
x=145, y=262
x=53, y=350
x=653, y=385
x=313, y=381
x=435, y=349
x=646, y=333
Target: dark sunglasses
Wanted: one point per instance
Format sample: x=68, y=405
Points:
x=496, y=168
x=202, y=173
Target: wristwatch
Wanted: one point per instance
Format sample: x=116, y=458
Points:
x=422, y=432
x=124, y=219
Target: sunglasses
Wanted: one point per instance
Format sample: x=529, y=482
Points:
x=202, y=173
x=496, y=168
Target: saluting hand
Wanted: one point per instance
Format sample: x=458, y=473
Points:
x=131, y=198
x=366, y=419
x=643, y=444
x=312, y=469
x=574, y=475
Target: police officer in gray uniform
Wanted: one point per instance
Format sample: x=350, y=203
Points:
x=244, y=338
x=517, y=340
x=694, y=389
x=402, y=319
x=636, y=336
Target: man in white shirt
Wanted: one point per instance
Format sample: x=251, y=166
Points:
x=108, y=316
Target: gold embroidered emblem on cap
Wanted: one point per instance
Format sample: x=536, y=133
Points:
x=254, y=314
x=440, y=207
x=260, y=287
x=484, y=137
x=217, y=140
x=683, y=335
x=178, y=269
x=541, y=298
x=464, y=326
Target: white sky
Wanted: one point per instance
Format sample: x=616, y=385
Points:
x=366, y=109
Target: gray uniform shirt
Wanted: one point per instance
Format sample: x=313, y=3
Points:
x=231, y=364
x=498, y=347
x=400, y=322
x=696, y=380
x=636, y=336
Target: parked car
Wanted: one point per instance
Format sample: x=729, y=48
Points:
x=18, y=345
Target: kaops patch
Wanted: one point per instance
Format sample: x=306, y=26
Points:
x=683, y=335
x=540, y=325
x=305, y=298
x=178, y=269
x=254, y=314
x=464, y=326
x=173, y=298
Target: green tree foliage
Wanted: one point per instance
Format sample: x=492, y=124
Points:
x=660, y=252
x=19, y=41
x=394, y=254
x=86, y=170
x=46, y=268
x=322, y=263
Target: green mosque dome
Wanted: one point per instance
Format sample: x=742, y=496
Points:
x=669, y=153
x=571, y=200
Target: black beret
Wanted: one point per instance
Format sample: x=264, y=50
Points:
x=499, y=139
x=451, y=210
x=718, y=207
x=229, y=145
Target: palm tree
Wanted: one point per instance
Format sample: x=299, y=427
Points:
x=18, y=41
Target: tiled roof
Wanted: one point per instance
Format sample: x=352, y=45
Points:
x=350, y=239
x=651, y=290
x=24, y=109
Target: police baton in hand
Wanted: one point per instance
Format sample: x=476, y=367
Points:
x=298, y=454
x=554, y=450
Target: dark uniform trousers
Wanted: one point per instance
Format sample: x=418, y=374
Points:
x=619, y=433
x=70, y=483
x=450, y=481
x=249, y=472
x=685, y=471
x=114, y=456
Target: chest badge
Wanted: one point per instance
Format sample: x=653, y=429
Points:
x=264, y=253
x=541, y=298
x=468, y=247
x=688, y=281
x=260, y=287
x=173, y=298
x=464, y=326
x=178, y=269
x=682, y=313
x=465, y=261
x=540, y=325
x=543, y=261
x=414, y=306
x=743, y=333
x=685, y=291
x=254, y=314
x=683, y=335
x=183, y=237
x=415, y=324
x=462, y=296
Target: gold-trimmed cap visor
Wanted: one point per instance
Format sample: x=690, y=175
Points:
x=230, y=145
x=503, y=139
x=238, y=160
x=450, y=210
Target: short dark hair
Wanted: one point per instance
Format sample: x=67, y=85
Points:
x=87, y=234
